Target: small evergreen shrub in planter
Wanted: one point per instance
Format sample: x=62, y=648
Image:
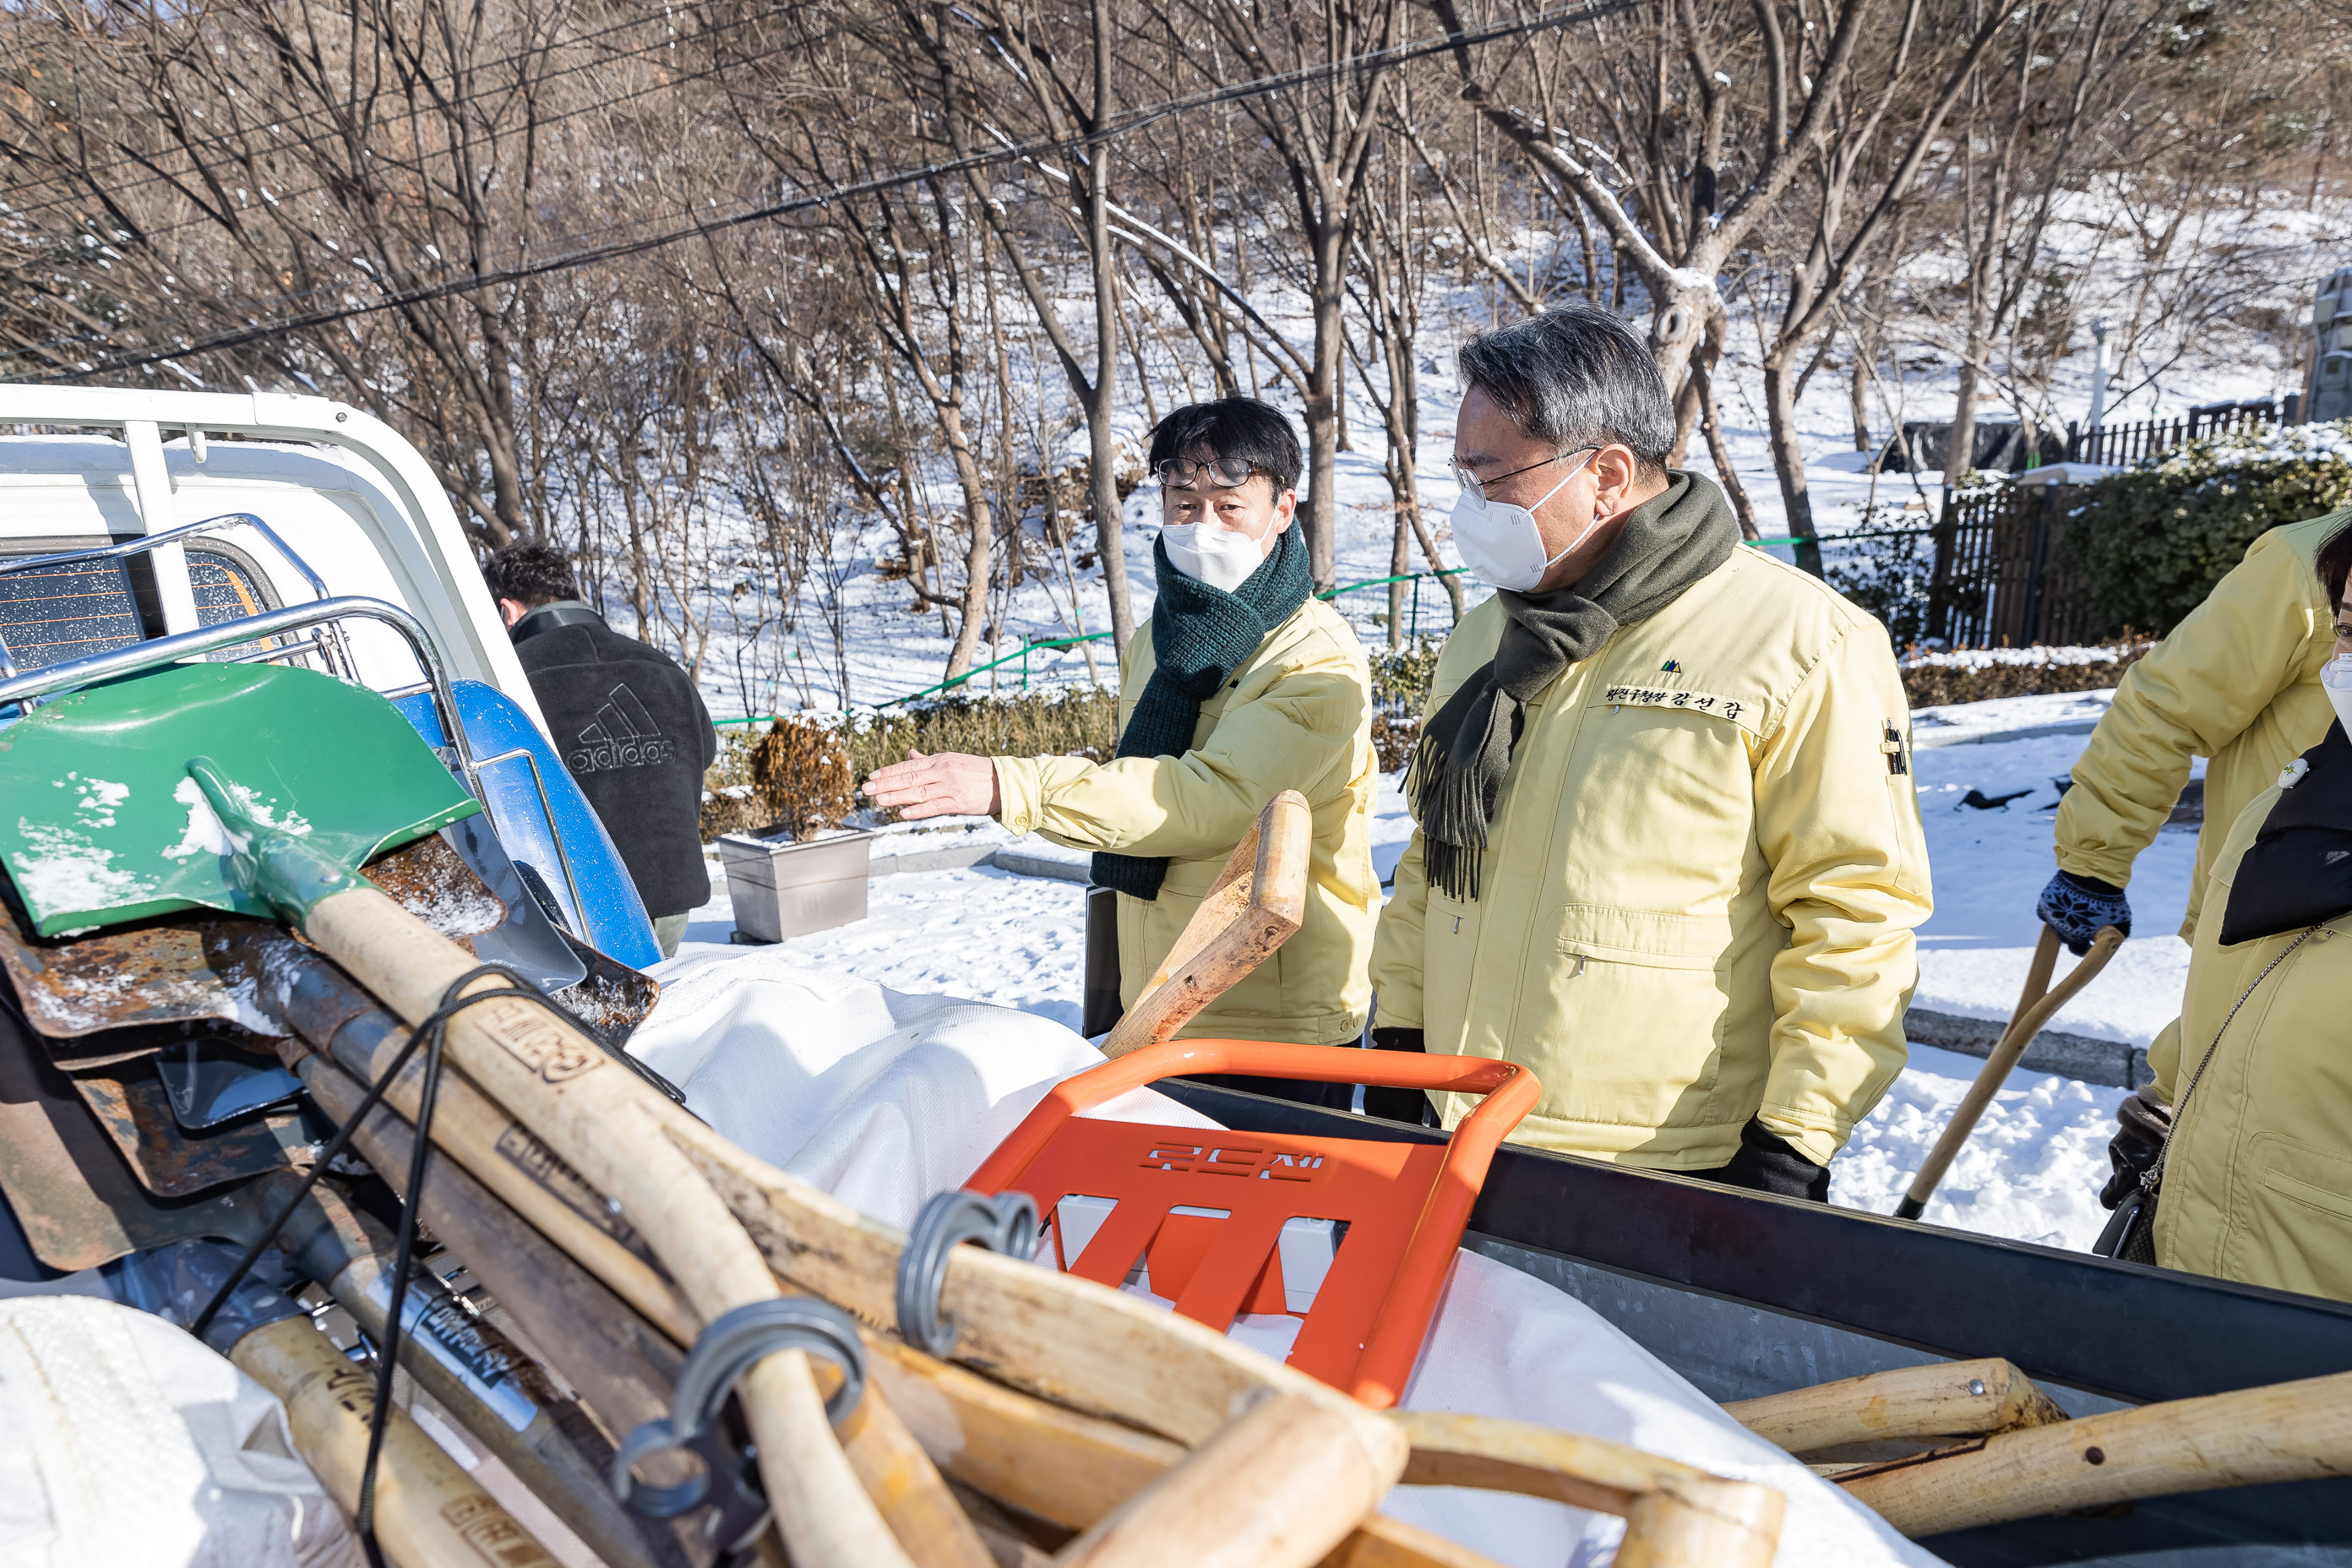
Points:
x=2152, y=542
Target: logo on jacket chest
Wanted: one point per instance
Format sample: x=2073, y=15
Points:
x=622, y=735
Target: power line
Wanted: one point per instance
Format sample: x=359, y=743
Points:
x=1257, y=86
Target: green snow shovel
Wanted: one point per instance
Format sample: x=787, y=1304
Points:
x=249, y=788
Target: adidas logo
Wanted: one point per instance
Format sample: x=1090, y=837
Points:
x=623, y=736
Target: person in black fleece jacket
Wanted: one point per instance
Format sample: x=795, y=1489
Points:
x=628, y=724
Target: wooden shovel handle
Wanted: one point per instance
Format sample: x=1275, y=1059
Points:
x=1675, y=1514
x=2282, y=1432
x=1255, y=906
x=1278, y=1487
x=428, y=1513
x=607, y=1125
x=1945, y=1399
x=2034, y=1008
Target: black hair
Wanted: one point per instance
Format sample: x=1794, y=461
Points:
x=2335, y=564
x=532, y=575
x=1575, y=376
x=1258, y=433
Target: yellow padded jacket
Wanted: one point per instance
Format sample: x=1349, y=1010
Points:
x=2258, y=1180
x=1702, y=879
x=1296, y=715
x=2238, y=682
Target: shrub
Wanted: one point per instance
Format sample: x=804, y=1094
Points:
x=1400, y=681
x=1888, y=573
x=1933, y=678
x=795, y=777
x=804, y=771
x=2152, y=542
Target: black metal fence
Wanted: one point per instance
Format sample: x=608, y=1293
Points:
x=2000, y=576
x=2119, y=446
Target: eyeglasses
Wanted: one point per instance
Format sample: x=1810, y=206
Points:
x=1477, y=486
x=1224, y=473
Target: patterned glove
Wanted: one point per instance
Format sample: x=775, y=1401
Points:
x=1406, y=1105
x=2142, y=1124
x=1767, y=1163
x=2076, y=907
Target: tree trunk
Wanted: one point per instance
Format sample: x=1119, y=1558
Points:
x=1788, y=452
x=1110, y=535
x=980, y=551
x=1321, y=512
x=1711, y=421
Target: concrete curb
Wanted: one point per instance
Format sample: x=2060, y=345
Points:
x=1022, y=863
x=2109, y=1062
x=1931, y=740
x=953, y=859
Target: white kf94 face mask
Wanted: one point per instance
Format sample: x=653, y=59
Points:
x=2335, y=679
x=1212, y=554
x=1499, y=540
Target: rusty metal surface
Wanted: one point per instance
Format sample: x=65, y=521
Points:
x=77, y=1200
x=118, y=995
x=135, y=1114
x=612, y=1000
x=115, y=996
x=431, y=881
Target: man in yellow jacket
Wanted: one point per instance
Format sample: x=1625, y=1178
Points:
x=1668, y=852
x=1241, y=685
x=2238, y=682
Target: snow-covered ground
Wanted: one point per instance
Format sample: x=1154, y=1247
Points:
x=2034, y=1166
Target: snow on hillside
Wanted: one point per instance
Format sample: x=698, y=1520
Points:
x=2033, y=1169
x=890, y=651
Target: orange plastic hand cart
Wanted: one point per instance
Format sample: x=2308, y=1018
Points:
x=1206, y=1210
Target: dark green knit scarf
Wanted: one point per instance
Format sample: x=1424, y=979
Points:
x=1200, y=635
x=1670, y=541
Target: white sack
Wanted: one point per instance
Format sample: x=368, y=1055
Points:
x=884, y=1098
x=129, y=1443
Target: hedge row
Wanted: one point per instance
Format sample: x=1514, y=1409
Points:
x=803, y=769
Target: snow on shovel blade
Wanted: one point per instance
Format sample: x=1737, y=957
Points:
x=101, y=821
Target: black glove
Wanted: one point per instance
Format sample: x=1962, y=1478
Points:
x=2076, y=907
x=1767, y=1163
x=2142, y=1124
x=1406, y=1105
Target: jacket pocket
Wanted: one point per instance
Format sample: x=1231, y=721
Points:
x=1659, y=939
x=2293, y=1227
x=1635, y=1043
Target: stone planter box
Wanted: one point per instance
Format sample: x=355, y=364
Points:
x=783, y=888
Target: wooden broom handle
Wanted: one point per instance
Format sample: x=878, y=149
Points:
x=2033, y=1010
x=1255, y=906
x=428, y=1513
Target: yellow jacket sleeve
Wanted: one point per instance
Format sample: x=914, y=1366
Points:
x=2193, y=694
x=1297, y=732
x=1839, y=826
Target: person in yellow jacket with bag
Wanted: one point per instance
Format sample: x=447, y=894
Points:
x=2236, y=681
x=1241, y=685
x=1668, y=852
x=2254, y=1087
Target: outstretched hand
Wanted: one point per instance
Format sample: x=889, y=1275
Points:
x=946, y=783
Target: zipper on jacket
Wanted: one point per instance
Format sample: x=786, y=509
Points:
x=1571, y=682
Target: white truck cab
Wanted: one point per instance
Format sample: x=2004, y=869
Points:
x=139, y=527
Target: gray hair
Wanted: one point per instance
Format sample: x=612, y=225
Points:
x=1575, y=376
